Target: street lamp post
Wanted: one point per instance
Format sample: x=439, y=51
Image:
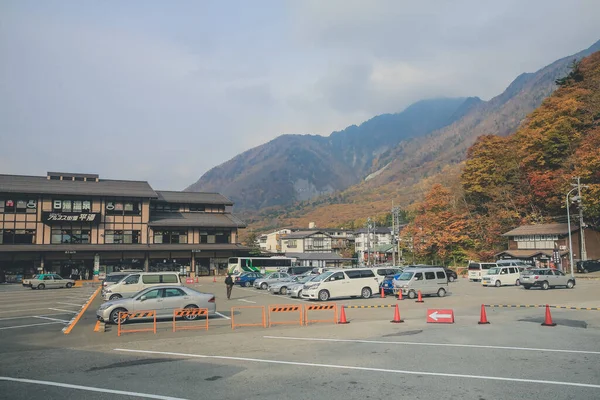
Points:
x=570, y=239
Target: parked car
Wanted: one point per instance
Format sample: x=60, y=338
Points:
x=113, y=278
x=48, y=281
x=341, y=283
x=388, y=284
x=382, y=272
x=247, y=278
x=295, y=290
x=263, y=283
x=451, y=274
x=163, y=299
x=499, y=276
x=427, y=280
x=588, y=266
x=546, y=278
x=136, y=282
x=282, y=287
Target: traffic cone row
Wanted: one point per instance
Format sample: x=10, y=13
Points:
x=547, y=320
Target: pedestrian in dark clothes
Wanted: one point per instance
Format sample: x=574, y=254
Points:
x=229, y=284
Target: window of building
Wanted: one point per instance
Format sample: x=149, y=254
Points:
x=170, y=237
x=17, y=236
x=292, y=243
x=78, y=206
x=70, y=236
x=164, y=207
x=318, y=243
x=121, y=237
x=123, y=207
x=19, y=206
x=215, y=236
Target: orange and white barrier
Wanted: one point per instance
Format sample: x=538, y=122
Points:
x=189, y=312
x=126, y=316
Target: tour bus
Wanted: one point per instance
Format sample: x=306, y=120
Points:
x=478, y=269
x=238, y=265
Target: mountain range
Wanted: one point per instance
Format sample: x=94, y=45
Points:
x=391, y=149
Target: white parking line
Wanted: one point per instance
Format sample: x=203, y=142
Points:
x=262, y=292
x=247, y=301
x=90, y=388
x=224, y=316
x=53, y=319
x=25, y=309
x=27, y=326
x=370, y=369
x=60, y=309
x=70, y=304
x=476, y=346
x=29, y=316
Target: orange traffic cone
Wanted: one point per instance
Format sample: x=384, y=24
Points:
x=343, y=317
x=214, y=279
x=419, y=298
x=382, y=293
x=548, y=321
x=400, y=294
x=483, y=318
x=397, y=319
x=197, y=281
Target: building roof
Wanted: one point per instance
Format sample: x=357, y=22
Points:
x=302, y=234
x=121, y=247
x=193, y=197
x=377, y=230
x=197, y=219
x=542, y=229
x=314, y=256
x=384, y=248
x=529, y=253
x=104, y=187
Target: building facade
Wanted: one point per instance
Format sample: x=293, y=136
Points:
x=367, y=241
x=271, y=242
x=539, y=244
x=83, y=226
x=306, y=242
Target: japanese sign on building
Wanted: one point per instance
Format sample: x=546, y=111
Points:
x=62, y=217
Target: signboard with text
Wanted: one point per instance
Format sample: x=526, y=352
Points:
x=69, y=217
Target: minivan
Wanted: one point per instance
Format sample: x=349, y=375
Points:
x=133, y=283
x=478, y=269
x=296, y=270
x=428, y=280
x=341, y=283
x=502, y=275
x=382, y=272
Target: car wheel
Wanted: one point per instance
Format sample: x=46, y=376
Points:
x=545, y=285
x=366, y=293
x=411, y=294
x=527, y=287
x=517, y=282
x=190, y=317
x=323, y=295
x=115, y=297
x=300, y=294
x=247, y=284
x=41, y=286
x=450, y=278
x=69, y=285
x=114, y=316
x=570, y=285
x=498, y=284
x=283, y=290
x=264, y=286
x=441, y=292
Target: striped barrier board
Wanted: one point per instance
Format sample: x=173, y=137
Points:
x=189, y=312
x=320, y=307
x=541, y=306
x=379, y=306
x=285, y=308
x=125, y=316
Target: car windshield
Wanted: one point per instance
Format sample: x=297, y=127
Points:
x=271, y=275
x=114, y=278
x=322, y=277
x=405, y=276
x=306, y=278
x=494, y=271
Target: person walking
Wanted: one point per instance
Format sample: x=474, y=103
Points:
x=229, y=284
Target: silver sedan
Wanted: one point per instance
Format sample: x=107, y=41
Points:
x=263, y=283
x=285, y=286
x=163, y=299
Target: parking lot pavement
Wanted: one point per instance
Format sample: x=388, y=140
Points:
x=24, y=311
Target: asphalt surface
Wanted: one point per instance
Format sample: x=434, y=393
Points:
x=369, y=358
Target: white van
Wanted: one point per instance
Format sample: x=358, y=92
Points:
x=478, y=269
x=382, y=272
x=133, y=283
x=428, y=281
x=504, y=275
x=341, y=283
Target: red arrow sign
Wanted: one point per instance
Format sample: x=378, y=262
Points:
x=440, y=316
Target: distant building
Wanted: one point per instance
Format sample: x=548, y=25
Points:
x=363, y=241
x=271, y=242
x=306, y=242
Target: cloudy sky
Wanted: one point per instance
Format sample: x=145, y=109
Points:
x=164, y=90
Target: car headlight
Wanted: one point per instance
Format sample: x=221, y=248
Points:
x=108, y=291
x=104, y=306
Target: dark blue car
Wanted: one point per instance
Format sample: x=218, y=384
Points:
x=247, y=278
x=388, y=284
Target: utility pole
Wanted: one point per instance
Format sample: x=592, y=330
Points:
x=369, y=228
x=581, y=224
x=395, y=232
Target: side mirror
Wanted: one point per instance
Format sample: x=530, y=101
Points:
x=143, y=298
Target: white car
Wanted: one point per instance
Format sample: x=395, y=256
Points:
x=274, y=277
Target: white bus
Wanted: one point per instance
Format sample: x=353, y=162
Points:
x=237, y=265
